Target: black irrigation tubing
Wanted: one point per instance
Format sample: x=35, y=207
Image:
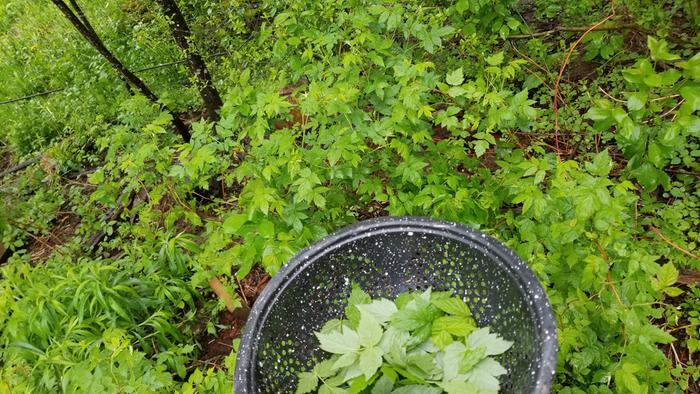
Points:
x=157, y=66
x=14, y=100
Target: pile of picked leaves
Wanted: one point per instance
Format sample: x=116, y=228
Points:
x=423, y=342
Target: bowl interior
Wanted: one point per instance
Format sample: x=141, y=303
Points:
x=386, y=263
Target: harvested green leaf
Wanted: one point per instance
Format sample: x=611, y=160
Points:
x=424, y=342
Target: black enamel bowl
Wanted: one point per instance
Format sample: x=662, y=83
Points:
x=386, y=257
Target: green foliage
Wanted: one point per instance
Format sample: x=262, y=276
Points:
x=212, y=380
x=423, y=342
x=85, y=317
x=334, y=112
x=648, y=141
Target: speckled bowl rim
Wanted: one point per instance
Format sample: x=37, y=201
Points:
x=244, y=378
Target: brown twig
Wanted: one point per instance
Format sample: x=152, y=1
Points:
x=666, y=113
x=563, y=67
x=683, y=327
x=530, y=60
x=663, y=115
x=668, y=241
x=608, y=95
x=36, y=238
x=609, y=278
x=678, y=360
x=538, y=66
x=558, y=29
x=665, y=97
x=245, y=299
